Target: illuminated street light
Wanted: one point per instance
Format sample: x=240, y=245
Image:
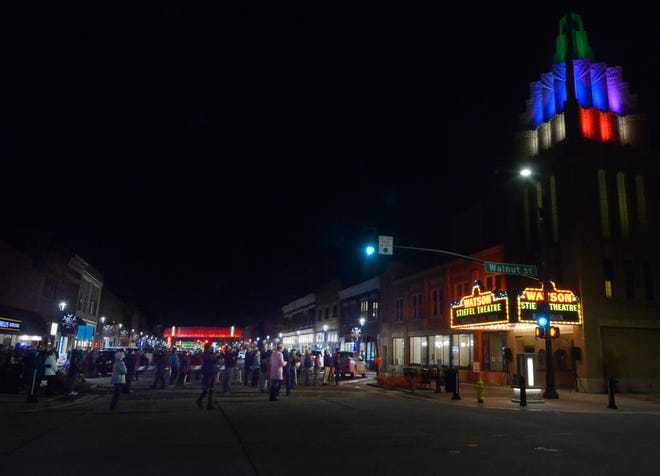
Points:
x=544, y=311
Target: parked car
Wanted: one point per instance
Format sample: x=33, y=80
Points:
x=351, y=365
x=104, y=362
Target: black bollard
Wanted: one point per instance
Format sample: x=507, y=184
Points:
x=456, y=395
x=438, y=381
x=611, y=390
x=523, y=391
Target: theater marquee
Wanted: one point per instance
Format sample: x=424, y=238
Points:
x=565, y=306
x=481, y=308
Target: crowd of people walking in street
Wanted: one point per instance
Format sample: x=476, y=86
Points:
x=270, y=369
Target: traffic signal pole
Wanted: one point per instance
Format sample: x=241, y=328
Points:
x=550, y=391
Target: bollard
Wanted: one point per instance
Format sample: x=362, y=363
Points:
x=480, y=391
x=611, y=390
x=523, y=391
x=456, y=395
x=438, y=382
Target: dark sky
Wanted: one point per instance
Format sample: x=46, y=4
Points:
x=218, y=162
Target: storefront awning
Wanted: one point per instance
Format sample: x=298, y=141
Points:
x=31, y=322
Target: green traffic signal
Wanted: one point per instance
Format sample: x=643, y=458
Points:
x=369, y=250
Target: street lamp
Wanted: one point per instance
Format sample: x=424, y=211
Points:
x=325, y=336
x=544, y=311
x=102, y=321
x=362, y=345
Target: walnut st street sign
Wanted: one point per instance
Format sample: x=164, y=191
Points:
x=510, y=268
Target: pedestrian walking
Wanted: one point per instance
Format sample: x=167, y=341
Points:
x=131, y=370
x=230, y=356
x=76, y=364
x=160, y=361
x=184, y=369
x=288, y=370
x=247, y=366
x=277, y=365
x=327, y=366
x=336, y=364
x=118, y=378
x=209, y=375
x=308, y=364
x=265, y=369
x=174, y=365
x=50, y=372
x=36, y=366
x=255, y=368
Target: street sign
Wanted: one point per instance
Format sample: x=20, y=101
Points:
x=510, y=268
x=385, y=245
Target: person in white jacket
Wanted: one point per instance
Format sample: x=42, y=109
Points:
x=277, y=363
x=51, y=371
x=118, y=378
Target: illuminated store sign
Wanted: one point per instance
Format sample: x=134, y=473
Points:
x=565, y=306
x=480, y=308
x=10, y=325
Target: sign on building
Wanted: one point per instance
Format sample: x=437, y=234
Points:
x=481, y=308
x=564, y=306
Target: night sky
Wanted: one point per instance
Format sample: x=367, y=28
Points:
x=215, y=163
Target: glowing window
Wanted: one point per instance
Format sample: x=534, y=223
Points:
x=641, y=204
x=623, y=205
x=604, y=214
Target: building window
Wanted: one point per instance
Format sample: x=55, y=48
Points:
x=648, y=282
x=374, y=310
x=462, y=350
x=417, y=306
x=440, y=348
x=608, y=274
x=399, y=309
x=434, y=302
x=334, y=310
x=641, y=205
x=553, y=208
x=623, y=205
x=419, y=350
x=364, y=308
x=397, y=351
x=604, y=213
x=629, y=279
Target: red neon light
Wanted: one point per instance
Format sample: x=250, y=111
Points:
x=204, y=333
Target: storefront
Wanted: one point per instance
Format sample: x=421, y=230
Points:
x=21, y=327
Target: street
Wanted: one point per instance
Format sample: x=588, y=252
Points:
x=353, y=427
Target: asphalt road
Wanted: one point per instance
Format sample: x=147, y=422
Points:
x=351, y=428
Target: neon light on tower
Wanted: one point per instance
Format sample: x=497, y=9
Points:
x=605, y=104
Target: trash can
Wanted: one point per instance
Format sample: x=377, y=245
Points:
x=450, y=380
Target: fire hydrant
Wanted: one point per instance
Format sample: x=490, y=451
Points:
x=480, y=391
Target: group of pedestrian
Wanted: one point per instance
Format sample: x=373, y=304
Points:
x=269, y=369
x=25, y=367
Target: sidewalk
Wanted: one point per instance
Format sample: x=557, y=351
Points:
x=503, y=397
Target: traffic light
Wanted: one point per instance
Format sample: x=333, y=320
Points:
x=542, y=321
x=540, y=332
x=369, y=249
x=553, y=332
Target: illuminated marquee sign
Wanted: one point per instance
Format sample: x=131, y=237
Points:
x=480, y=309
x=10, y=325
x=565, y=306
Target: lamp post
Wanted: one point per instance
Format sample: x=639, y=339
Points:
x=362, y=344
x=102, y=321
x=325, y=336
x=550, y=390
